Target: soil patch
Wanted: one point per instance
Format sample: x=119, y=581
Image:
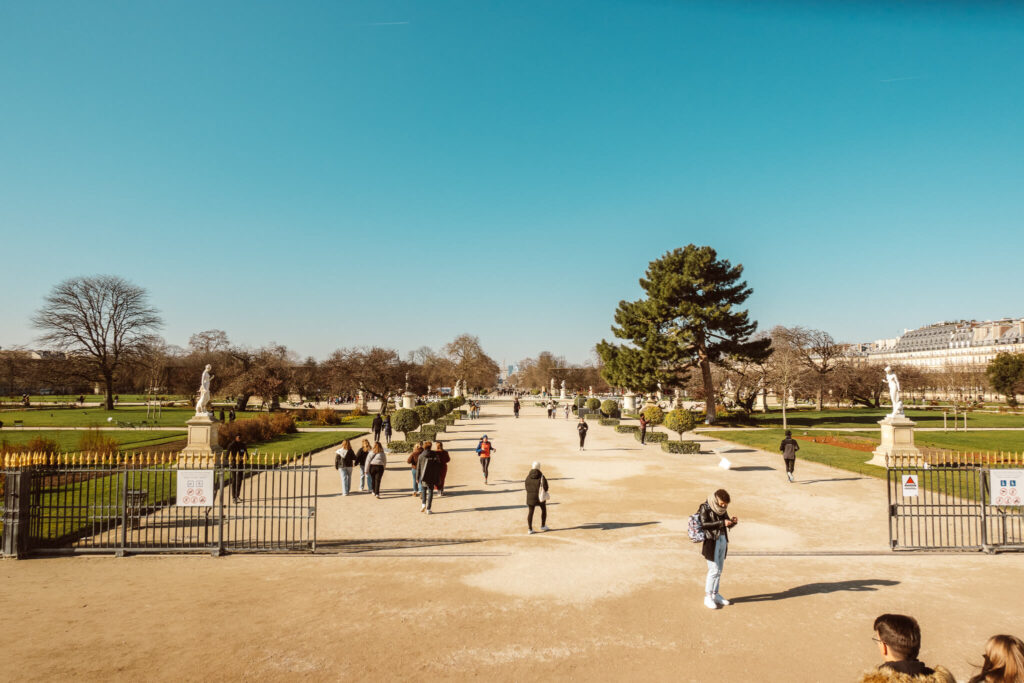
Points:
x=865, y=446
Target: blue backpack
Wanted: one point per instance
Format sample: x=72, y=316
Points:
x=694, y=529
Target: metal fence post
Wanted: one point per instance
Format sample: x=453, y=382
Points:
x=981, y=484
x=17, y=495
x=124, y=513
x=219, y=478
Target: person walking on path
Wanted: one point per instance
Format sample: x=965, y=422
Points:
x=444, y=459
x=582, y=428
x=515, y=407
x=715, y=522
x=377, y=425
x=413, y=461
x=428, y=469
x=364, y=475
x=789, y=447
x=484, y=449
x=566, y=411
x=237, y=454
x=643, y=429
x=387, y=429
x=344, y=461
x=376, y=461
x=1003, y=661
x=536, y=497
x=898, y=638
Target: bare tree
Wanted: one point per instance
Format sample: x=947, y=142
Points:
x=785, y=365
x=103, y=318
x=819, y=353
x=471, y=363
x=376, y=371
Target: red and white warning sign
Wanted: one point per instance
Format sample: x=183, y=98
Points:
x=195, y=488
x=1007, y=487
x=910, y=485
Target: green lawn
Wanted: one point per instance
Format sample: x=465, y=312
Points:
x=89, y=398
x=97, y=417
x=128, y=440
x=303, y=442
x=869, y=418
x=975, y=442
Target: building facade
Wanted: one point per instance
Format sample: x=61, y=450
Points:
x=945, y=345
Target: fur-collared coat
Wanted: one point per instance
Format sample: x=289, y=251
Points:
x=885, y=674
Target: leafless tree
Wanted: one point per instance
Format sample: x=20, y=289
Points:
x=820, y=354
x=103, y=318
x=470, y=363
x=785, y=365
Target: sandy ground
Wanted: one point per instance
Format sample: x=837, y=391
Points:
x=613, y=592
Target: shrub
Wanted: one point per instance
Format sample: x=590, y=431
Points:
x=436, y=410
x=405, y=420
x=680, y=420
x=593, y=403
x=609, y=408
x=93, y=440
x=319, y=416
x=652, y=437
x=258, y=429
x=423, y=412
x=680, y=446
x=357, y=412
x=609, y=421
x=627, y=429
x=655, y=415
x=414, y=436
x=37, y=444
x=428, y=431
x=397, y=446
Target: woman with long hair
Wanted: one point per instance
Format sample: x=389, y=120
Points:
x=444, y=459
x=364, y=476
x=1004, y=661
x=376, y=461
x=344, y=461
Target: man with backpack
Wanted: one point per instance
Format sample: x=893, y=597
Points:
x=789, y=447
x=709, y=526
x=484, y=449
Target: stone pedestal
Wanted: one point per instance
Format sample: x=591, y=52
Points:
x=202, y=449
x=897, y=447
x=629, y=403
x=361, y=401
x=409, y=400
x=562, y=395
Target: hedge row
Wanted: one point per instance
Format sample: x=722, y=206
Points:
x=680, y=446
x=260, y=428
x=627, y=429
x=652, y=437
x=609, y=421
x=398, y=446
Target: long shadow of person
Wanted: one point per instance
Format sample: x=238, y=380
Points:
x=857, y=585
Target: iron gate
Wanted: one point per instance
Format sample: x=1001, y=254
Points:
x=944, y=503
x=120, y=504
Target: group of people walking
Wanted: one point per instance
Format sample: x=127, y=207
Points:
x=372, y=461
x=381, y=425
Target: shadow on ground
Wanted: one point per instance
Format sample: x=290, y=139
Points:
x=856, y=585
x=606, y=526
x=366, y=545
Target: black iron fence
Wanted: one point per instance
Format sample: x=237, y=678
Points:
x=122, y=503
x=967, y=501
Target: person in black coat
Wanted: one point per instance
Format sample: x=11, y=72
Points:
x=377, y=425
x=237, y=453
x=789, y=447
x=582, y=428
x=715, y=521
x=536, y=482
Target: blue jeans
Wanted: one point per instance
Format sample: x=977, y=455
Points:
x=365, y=484
x=715, y=567
x=415, y=480
x=346, y=479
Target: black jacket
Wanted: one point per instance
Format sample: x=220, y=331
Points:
x=377, y=424
x=714, y=526
x=535, y=480
x=582, y=428
x=348, y=461
x=361, y=456
x=789, y=447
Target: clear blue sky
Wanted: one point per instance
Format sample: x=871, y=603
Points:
x=328, y=174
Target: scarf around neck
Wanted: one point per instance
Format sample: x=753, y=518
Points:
x=715, y=507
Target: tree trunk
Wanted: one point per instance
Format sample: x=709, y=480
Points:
x=709, y=389
x=820, y=392
x=108, y=383
x=785, y=400
x=242, y=402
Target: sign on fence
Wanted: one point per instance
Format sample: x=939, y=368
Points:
x=910, y=485
x=195, y=488
x=1007, y=487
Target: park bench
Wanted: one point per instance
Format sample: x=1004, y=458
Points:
x=19, y=423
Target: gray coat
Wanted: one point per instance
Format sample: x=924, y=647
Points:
x=789, y=447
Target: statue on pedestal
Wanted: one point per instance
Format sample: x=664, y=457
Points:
x=203, y=404
x=894, y=392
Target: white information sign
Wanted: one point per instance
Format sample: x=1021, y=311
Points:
x=1007, y=487
x=195, y=488
x=910, y=485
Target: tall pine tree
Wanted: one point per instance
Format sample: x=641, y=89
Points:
x=690, y=318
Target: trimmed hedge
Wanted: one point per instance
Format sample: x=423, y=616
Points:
x=680, y=446
x=652, y=437
x=609, y=421
x=397, y=446
x=414, y=436
x=628, y=429
x=430, y=431
x=609, y=408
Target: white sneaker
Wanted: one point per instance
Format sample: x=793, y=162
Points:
x=429, y=512
x=790, y=476
x=530, y=532
x=721, y=601
x=423, y=507
x=710, y=603
x=544, y=528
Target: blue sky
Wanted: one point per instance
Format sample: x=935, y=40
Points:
x=326, y=174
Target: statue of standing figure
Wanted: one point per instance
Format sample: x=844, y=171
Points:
x=203, y=404
x=894, y=392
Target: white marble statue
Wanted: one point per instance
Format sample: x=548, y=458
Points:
x=552, y=385
x=894, y=392
x=563, y=385
x=203, y=404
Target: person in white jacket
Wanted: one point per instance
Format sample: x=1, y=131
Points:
x=376, y=461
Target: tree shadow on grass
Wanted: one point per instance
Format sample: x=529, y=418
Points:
x=855, y=585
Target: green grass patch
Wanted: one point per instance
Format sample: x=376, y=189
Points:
x=833, y=456
x=98, y=417
x=128, y=440
x=868, y=418
x=302, y=442
x=970, y=442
